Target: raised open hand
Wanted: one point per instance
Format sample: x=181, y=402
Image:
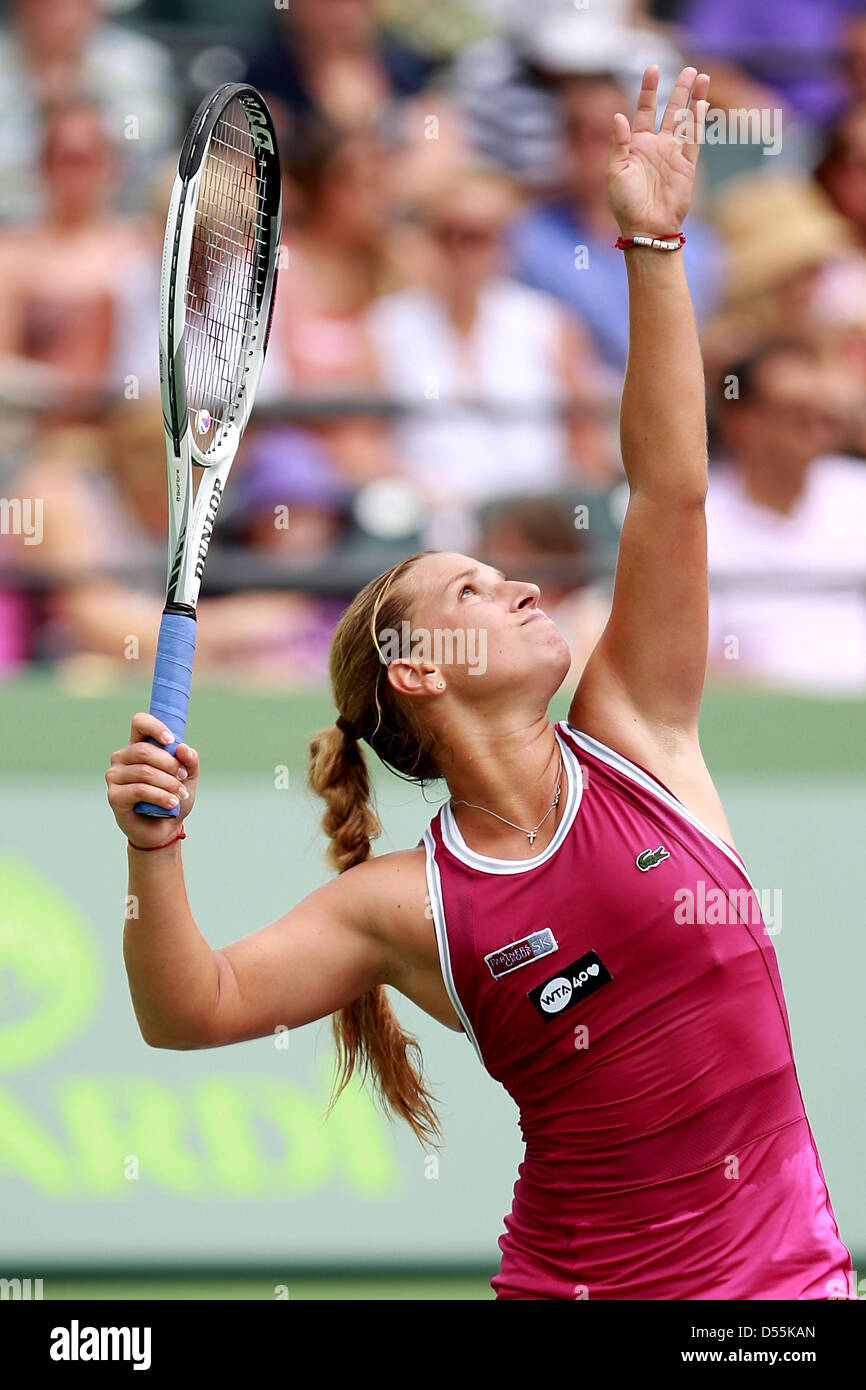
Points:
x=650, y=175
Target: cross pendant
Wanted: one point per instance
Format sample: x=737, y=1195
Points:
x=532, y=835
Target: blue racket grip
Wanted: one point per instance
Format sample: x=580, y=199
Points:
x=172, y=678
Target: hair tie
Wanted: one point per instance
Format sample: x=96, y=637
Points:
x=347, y=727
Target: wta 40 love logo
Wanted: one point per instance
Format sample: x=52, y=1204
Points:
x=578, y=980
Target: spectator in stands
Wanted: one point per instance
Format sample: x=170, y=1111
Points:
x=336, y=258
x=79, y=287
x=788, y=512
x=331, y=59
x=842, y=169
x=564, y=245
x=102, y=559
x=503, y=83
x=288, y=500
x=839, y=299
x=791, y=259
x=291, y=506
x=534, y=538
x=56, y=54
x=333, y=63
x=487, y=361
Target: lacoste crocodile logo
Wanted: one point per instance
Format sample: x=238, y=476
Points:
x=648, y=858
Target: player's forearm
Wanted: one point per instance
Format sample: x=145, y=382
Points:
x=663, y=430
x=172, y=971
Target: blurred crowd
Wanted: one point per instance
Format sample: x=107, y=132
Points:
x=451, y=327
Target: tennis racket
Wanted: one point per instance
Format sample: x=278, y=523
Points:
x=219, y=267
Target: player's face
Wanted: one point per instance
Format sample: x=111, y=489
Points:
x=481, y=632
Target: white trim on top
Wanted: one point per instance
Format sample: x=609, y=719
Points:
x=434, y=886
x=456, y=845
x=649, y=783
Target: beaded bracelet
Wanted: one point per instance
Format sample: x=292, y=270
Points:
x=671, y=242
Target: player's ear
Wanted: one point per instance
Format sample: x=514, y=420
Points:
x=413, y=678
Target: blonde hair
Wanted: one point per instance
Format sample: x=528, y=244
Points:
x=367, y=1032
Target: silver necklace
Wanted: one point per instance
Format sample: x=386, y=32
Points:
x=530, y=834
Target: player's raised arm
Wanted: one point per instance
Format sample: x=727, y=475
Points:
x=647, y=671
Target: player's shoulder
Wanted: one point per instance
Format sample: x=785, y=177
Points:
x=385, y=897
x=396, y=864
x=378, y=887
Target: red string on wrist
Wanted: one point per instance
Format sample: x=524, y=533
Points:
x=148, y=848
x=671, y=241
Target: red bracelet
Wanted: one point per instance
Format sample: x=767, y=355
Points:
x=671, y=241
x=148, y=848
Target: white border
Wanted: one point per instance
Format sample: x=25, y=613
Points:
x=434, y=886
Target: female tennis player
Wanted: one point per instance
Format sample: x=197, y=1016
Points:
x=555, y=909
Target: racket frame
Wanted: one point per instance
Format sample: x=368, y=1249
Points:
x=191, y=517
x=192, y=512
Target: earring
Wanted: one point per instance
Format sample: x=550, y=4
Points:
x=440, y=685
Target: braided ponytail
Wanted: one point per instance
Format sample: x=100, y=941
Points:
x=338, y=772
x=367, y=1032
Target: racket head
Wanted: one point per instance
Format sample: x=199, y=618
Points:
x=219, y=268
x=218, y=283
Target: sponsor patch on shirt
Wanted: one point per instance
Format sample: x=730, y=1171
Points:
x=517, y=953
x=575, y=982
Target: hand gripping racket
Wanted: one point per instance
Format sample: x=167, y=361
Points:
x=219, y=267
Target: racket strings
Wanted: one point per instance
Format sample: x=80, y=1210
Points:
x=227, y=269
